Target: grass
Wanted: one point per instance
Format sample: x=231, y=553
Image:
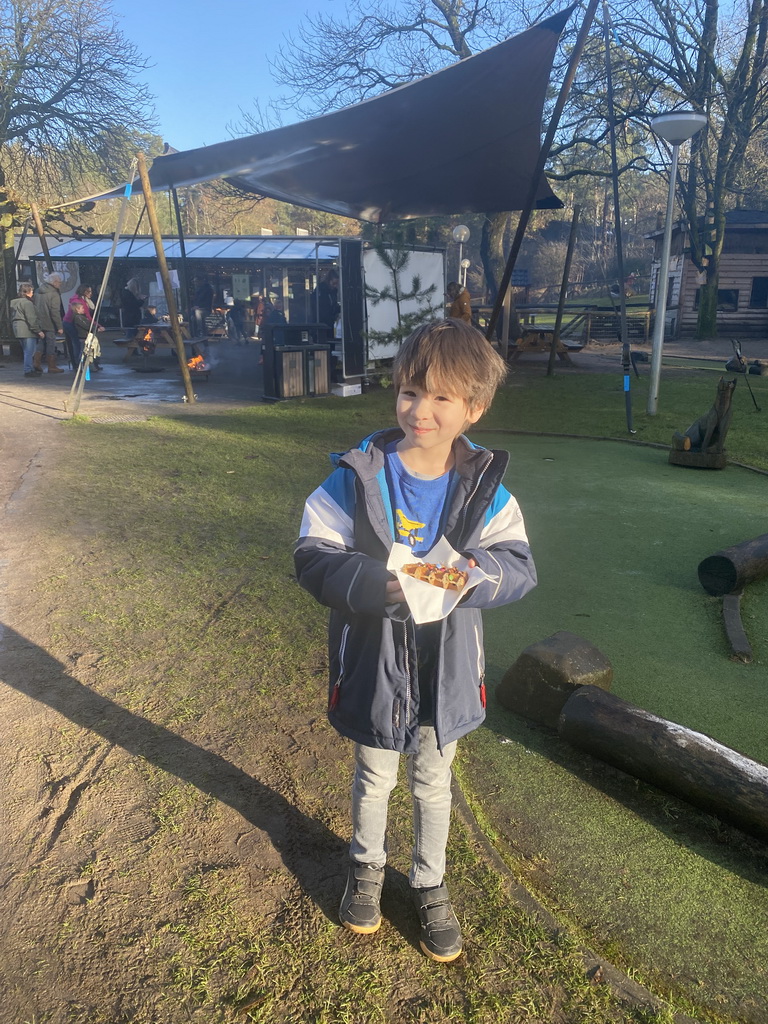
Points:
x=172, y=544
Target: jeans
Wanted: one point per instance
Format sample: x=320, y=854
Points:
x=429, y=778
x=29, y=345
x=74, y=344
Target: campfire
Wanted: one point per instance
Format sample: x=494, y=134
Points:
x=147, y=343
x=197, y=365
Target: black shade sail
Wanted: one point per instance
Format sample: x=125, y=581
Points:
x=463, y=140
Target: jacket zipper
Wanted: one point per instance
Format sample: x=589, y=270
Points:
x=479, y=480
x=342, y=650
x=480, y=669
x=408, y=678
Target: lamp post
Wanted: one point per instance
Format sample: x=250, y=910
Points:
x=465, y=265
x=674, y=128
x=461, y=235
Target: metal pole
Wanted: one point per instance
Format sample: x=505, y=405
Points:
x=563, y=290
x=623, y=334
x=165, y=276
x=661, y=291
x=525, y=213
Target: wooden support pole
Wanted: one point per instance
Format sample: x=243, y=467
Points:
x=165, y=276
x=41, y=235
x=563, y=290
x=687, y=763
x=525, y=213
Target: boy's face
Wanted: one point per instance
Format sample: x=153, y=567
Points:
x=432, y=421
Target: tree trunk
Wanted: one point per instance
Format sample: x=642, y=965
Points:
x=7, y=257
x=707, y=322
x=678, y=760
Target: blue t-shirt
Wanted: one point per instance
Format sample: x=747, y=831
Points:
x=418, y=505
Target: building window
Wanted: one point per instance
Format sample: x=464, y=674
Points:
x=758, y=298
x=727, y=299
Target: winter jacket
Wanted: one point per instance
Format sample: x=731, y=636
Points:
x=460, y=307
x=346, y=535
x=26, y=323
x=48, y=306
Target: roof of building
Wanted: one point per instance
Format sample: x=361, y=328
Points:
x=200, y=247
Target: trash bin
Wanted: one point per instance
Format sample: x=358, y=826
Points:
x=317, y=369
x=288, y=372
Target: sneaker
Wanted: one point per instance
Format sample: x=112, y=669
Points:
x=440, y=933
x=359, y=910
x=31, y=373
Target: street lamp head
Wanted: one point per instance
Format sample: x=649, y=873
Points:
x=461, y=233
x=678, y=125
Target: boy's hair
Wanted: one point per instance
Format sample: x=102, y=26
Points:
x=25, y=288
x=453, y=357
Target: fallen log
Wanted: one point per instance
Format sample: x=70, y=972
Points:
x=687, y=763
x=729, y=570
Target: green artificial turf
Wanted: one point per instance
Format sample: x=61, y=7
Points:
x=617, y=534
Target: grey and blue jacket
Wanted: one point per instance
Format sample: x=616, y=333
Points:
x=346, y=535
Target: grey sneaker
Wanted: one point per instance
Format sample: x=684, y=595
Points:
x=359, y=910
x=440, y=933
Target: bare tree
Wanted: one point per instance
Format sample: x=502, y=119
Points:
x=675, y=54
x=330, y=62
x=70, y=102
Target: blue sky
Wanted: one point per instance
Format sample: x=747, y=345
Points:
x=210, y=59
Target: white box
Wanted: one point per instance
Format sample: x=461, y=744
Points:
x=345, y=390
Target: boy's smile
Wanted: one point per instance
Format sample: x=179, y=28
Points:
x=431, y=423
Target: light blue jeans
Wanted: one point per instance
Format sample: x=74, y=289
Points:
x=28, y=345
x=429, y=778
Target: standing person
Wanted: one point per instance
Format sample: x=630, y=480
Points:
x=460, y=308
x=236, y=322
x=395, y=687
x=49, y=313
x=202, y=304
x=131, y=301
x=26, y=327
x=325, y=300
x=82, y=299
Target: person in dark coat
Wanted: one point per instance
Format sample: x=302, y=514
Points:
x=325, y=301
x=131, y=302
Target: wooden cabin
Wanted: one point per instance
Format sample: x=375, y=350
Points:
x=743, y=288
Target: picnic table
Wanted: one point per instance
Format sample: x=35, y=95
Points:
x=539, y=339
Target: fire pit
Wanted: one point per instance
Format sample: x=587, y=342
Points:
x=198, y=368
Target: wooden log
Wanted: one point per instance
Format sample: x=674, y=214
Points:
x=689, y=764
x=729, y=570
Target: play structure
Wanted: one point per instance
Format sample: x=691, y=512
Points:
x=563, y=683
x=702, y=446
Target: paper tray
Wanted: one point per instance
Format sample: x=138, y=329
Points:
x=426, y=602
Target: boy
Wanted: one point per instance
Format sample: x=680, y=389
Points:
x=397, y=688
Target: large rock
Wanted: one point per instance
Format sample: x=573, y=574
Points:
x=548, y=672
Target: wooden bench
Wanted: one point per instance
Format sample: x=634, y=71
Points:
x=539, y=339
